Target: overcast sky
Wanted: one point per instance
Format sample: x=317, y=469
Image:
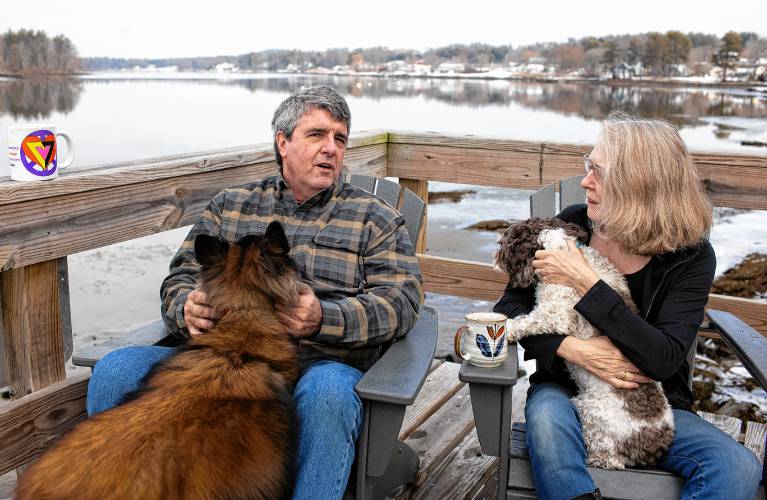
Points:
x=173, y=28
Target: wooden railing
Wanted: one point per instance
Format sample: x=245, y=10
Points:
x=42, y=223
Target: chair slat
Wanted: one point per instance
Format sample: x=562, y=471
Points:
x=754, y=440
x=542, y=202
x=388, y=191
x=366, y=182
x=412, y=210
x=571, y=192
x=728, y=425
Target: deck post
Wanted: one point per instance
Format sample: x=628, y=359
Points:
x=35, y=317
x=420, y=188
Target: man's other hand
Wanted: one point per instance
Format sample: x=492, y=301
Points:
x=304, y=318
x=198, y=314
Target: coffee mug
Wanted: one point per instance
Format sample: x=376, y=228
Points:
x=482, y=341
x=33, y=152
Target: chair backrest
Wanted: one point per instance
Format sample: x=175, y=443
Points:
x=543, y=204
x=410, y=206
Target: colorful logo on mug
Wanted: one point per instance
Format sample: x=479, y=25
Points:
x=38, y=153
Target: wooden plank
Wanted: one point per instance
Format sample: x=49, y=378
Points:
x=728, y=425
x=479, y=281
x=434, y=440
x=754, y=439
x=177, y=165
x=32, y=327
x=464, y=472
x=486, y=167
x=29, y=424
x=91, y=219
x=461, y=278
x=440, y=385
x=738, y=181
x=420, y=189
x=749, y=311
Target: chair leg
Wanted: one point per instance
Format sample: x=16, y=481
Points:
x=402, y=470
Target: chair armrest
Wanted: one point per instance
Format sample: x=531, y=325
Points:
x=152, y=334
x=504, y=374
x=397, y=377
x=749, y=345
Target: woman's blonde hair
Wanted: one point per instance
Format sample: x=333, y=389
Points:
x=653, y=201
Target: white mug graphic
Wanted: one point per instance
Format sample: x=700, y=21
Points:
x=33, y=152
x=483, y=340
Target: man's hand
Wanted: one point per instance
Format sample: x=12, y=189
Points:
x=199, y=316
x=303, y=319
x=600, y=356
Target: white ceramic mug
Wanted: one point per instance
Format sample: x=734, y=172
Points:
x=483, y=340
x=33, y=152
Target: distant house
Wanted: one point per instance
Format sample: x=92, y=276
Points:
x=451, y=68
x=225, y=67
x=535, y=67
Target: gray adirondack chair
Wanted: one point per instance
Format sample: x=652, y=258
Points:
x=491, y=393
x=389, y=386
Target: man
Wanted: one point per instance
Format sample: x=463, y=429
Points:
x=353, y=250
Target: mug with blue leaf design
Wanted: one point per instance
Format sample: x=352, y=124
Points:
x=482, y=341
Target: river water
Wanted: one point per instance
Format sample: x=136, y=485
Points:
x=124, y=116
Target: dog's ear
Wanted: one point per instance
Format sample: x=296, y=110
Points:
x=208, y=249
x=576, y=232
x=517, y=249
x=277, y=242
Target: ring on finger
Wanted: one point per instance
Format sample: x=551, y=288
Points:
x=625, y=375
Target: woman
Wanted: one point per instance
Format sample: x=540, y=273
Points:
x=648, y=214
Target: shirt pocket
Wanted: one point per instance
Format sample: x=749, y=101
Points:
x=336, y=257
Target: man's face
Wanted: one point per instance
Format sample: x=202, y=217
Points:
x=313, y=157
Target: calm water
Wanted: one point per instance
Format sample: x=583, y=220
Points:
x=126, y=117
x=114, y=119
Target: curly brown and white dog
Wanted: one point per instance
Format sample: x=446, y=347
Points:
x=621, y=427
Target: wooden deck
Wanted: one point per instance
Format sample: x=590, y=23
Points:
x=440, y=428
x=114, y=203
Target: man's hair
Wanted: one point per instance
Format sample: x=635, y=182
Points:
x=653, y=200
x=293, y=108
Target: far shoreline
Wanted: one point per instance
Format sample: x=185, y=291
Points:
x=754, y=85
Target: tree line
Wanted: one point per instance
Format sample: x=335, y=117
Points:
x=29, y=52
x=650, y=54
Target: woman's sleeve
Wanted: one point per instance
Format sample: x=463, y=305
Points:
x=516, y=301
x=658, y=349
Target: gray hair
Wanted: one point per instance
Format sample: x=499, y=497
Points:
x=294, y=107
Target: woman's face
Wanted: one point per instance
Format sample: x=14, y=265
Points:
x=596, y=166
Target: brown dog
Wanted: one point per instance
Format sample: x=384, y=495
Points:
x=216, y=420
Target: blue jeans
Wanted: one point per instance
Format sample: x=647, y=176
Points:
x=712, y=464
x=328, y=407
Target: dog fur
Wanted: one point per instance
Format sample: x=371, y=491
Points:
x=621, y=427
x=217, y=420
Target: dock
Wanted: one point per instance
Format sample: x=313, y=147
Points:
x=93, y=208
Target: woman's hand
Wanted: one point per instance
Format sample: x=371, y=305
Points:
x=565, y=267
x=599, y=356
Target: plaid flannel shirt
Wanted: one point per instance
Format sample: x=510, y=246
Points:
x=351, y=247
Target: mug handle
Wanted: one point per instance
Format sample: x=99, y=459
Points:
x=70, y=150
x=457, y=343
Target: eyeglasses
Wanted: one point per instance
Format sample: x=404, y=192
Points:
x=589, y=167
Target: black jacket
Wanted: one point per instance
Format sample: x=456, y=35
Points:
x=656, y=340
